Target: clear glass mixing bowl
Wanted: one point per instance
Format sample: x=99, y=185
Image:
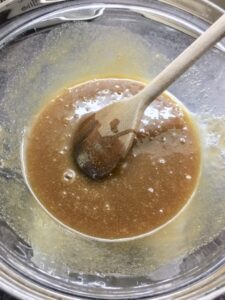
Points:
x=55, y=45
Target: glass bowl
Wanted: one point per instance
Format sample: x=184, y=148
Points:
x=55, y=45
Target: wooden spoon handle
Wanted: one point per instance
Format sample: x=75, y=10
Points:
x=177, y=67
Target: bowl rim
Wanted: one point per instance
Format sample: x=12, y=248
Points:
x=25, y=288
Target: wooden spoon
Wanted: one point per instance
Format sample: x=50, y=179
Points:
x=99, y=148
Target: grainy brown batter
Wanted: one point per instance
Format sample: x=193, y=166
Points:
x=147, y=189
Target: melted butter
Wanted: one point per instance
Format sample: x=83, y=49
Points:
x=148, y=189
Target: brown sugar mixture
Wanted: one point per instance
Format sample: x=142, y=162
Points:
x=146, y=190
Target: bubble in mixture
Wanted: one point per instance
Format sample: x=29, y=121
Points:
x=182, y=140
x=162, y=161
x=69, y=175
x=107, y=206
